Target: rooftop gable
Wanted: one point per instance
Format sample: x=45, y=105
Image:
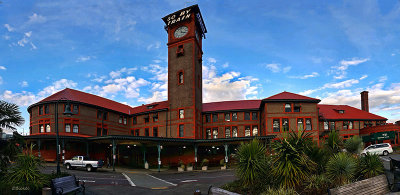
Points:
x=333, y=112
x=288, y=96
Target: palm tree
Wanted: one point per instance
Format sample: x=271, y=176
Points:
x=291, y=165
x=253, y=164
x=370, y=166
x=333, y=143
x=341, y=168
x=10, y=116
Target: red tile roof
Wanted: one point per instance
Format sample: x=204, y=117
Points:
x=79, y=96
x=231, y=105
x=155, y=106
x=332, y=112
x=290, y=96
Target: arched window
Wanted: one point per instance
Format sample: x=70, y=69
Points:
x=180, y=77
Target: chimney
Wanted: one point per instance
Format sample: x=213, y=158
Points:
x=364, y=101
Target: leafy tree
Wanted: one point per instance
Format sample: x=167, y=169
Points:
x=10, y=116
x=354, y=145
x=341, y=168
x=291, y=165
x=253, y=163
x=370, y=166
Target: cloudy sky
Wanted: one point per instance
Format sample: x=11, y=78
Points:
x=330, y=50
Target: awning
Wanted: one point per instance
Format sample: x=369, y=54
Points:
x=379, y=136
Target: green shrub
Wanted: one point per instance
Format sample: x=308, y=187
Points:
x=370, y=166
x=204, y=162
x=280, y=191
x=341, y=168
x=190, y=164
x=317, y=184
x=252, y=162
x=334, y=142
x=353, y=145
x=222, y=162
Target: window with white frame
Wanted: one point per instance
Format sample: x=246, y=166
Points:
x=75, y=128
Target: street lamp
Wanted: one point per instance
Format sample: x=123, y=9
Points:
x=68, y=113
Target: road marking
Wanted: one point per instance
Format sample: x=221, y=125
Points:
x=385, y=159
x=187, y=181
x=129, y=179
x=162, y=180
x=159, y=188
x=87, y=181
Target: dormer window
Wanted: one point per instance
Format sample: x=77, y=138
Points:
x=341, y=111
x=150, y=107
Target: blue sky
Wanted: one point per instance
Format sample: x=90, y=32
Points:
x=330, y=50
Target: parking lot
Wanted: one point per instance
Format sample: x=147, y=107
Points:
x=105, y=181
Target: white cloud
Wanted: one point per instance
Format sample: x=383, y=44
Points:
x=275, y=68
x=24, y=84
x=28, y=34
x=340, y=71
x=35, y=18
x=229, y=86
x=154, y=45
x=26, y=40
x=157, y=96
x=383, y=79
x=84, y=58
x=343, y=84
x=225, y=65
x=314, y=74
x=3, y=68
x=9, y=28
x=57, y=86
x=211, y=60
x=118, y=73
x=363, y=77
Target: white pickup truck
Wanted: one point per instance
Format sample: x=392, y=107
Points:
x=84, y=162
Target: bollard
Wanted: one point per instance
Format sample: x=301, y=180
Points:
x=46, y=191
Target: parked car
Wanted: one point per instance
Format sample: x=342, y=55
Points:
x=83, y=162
x=379, y=149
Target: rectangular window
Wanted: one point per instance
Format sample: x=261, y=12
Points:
x=146, y=119
x=308, y=124
x=68, y=128
x=227, y=132
x=105, y=115
x=296, y=108
x=146, y=132
x=255, y=130
x=120, y=119
x=132, y=132
x=98, y=131
x=134, y=120
x=75, y=128
x=41, y=127
x=288, y=107
x=350, y=124
x=247, y=116
x=234, y=132
x=137, y=132
x=40, y=110
x=181, y=113
x=155, y=132
x=345, y=124
x=181, y=131
x=105, y=131
x=254, y=116
x=215, y=133
x=247, y=131
x=332, y=126
x=276, y=125
x=180, y=78
x=234, y=116
x=208, y=118
x=125, y=120
x=46, y=109
x=75, y=109
x=227, y=117
x=155, y=117
x=99, y=114
x=215, y=118
x=326, y=126
x=48, y=129
x=285, y=124
x=300, y=124
x=208, y=133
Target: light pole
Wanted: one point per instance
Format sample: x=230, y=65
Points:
x=68, y=113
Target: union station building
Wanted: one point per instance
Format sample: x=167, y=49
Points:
x=183, y=128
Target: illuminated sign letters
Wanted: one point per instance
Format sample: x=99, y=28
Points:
x=174, y=18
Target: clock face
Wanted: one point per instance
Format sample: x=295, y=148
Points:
x=181, y=31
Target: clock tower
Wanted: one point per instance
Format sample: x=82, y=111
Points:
x=185, y=30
